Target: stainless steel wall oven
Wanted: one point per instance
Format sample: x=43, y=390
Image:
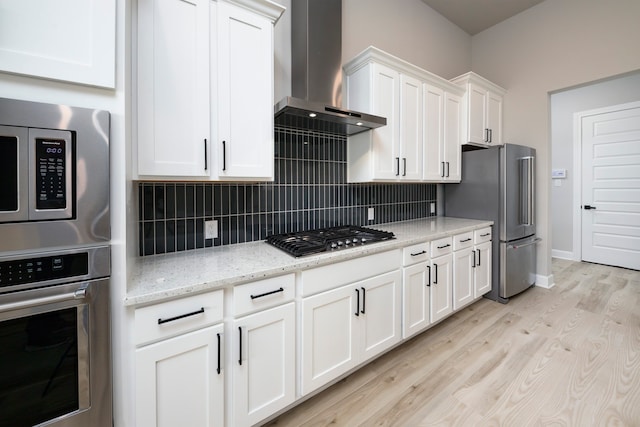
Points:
x=55, y=343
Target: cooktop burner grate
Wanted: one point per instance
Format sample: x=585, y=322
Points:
x=327, y=239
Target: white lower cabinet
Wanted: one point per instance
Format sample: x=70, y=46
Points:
x=416, y=289
x=472, y=266
x=264, y=365
x=179, y=366
x=441, y=279
x=343, y=327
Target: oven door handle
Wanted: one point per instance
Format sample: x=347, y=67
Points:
x=78, y=294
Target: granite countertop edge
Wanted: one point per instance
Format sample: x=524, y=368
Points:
x=163, y=277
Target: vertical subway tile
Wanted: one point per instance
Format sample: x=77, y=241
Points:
x=170, y=235
x=160, y=237
x=208, y=200
x=149, y=244
x=181, y=235
x=200, y=200
x=199, y=233
x=147, y=201
x=180, y=201
x=190, y=204
x=170, y=201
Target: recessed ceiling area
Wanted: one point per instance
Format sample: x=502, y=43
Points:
x=474, y=16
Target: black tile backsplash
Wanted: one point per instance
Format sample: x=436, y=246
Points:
x=309, y=191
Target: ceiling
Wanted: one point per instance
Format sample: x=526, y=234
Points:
x=474, y=16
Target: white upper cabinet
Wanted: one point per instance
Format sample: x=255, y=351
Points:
x=173, y=87
x=416, y=144
x=205, y=89
x=244, y=117
x=442, y=117
x=482, y=118
x=71, y=40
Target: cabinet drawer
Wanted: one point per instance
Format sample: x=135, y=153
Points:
x=175, y=317
x=415, y=253
x=331, y=276
x=441, y=247
x=463, y=240
x=263, y=294
x=482, y=235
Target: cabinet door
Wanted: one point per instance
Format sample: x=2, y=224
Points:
x=434, y=167
x=173, y=87
x=178, y=381
x=327, y=333
x=463, y=291
x=494, y=118
x=411, y=122
x=264, y=367
x=482, y=271
x=476, y=114
x=416, y=282
x=441, y=284
x=380, y=313
x=386, y=103
x=243, y=97
x=451, y=141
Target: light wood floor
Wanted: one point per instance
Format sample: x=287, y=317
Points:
x=568, y=356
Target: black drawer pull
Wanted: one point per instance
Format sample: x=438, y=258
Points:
x=465, y=240
x=281, y=289
x=435, y=268
x=357, y=313
x=182, y=316
x=419, y=253
x=364, y=295
x=445, y=246
x=485, y=235
x=478, y=256
x=429, y=274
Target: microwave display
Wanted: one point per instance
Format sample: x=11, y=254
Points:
x=50, y=174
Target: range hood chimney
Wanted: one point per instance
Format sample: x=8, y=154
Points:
x=316, y=69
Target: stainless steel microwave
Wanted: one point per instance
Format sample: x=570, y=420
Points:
x=36, y=174
x=54, y=176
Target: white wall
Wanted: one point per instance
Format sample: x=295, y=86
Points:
x=564, y=104
x=408, y=29
x=554, y=45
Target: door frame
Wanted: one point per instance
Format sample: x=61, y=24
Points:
x=577, y=167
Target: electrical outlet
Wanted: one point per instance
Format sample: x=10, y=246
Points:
x=432, y=207
x=370, y=214
x=211, y=229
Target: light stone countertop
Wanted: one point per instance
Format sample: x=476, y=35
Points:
x=161, y=277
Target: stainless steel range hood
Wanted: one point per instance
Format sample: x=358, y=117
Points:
x=316, y=69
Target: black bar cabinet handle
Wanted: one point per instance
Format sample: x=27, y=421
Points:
x=357, y=313
x=218, y=369
x=447, y=169
x=486, y=135
x=473, y=265
x=224, y=155
x=429, y=280
x=478, y=257
x=442, y=174
x=435, y=267
x=397, y=166
x=404, y=166
x=240, y=345
x=364, y=295
x=485, y=235
x=589, y=207
x=281, y=289
x=490, y=135
x=206, y=162
x=465, y=240
x=419, y=253
x=445, y=246
x=182, y=316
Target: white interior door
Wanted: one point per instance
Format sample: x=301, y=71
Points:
x=611, y=187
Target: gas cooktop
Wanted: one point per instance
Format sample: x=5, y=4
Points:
x=327, y=239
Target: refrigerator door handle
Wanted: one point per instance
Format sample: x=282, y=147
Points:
x=533, y=242
x=526, y=190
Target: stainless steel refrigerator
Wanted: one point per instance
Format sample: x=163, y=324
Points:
x=498, y=184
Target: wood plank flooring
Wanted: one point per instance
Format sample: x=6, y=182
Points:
x=568, y=356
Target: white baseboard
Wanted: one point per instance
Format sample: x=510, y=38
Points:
x=546, y=282
x=555, y=253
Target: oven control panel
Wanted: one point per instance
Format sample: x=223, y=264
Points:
x=40, y=269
